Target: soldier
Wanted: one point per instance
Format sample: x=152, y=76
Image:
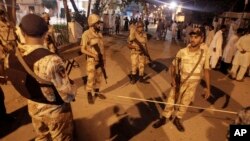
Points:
x=243, y=117
x=49, y=41
x=6, y=44
x=7, y=36
x=40, y=76
x=92, y=41
x=3, y=115
x=192, y=61
x=137, y=38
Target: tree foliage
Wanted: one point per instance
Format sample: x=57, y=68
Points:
x=50, y=4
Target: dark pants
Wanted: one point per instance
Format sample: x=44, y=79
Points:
x=2, y=106
x=224, y=67
x=117, y=29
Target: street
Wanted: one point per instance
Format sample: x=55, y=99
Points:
x=120, y=117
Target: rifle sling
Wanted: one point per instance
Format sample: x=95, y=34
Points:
x=28, y=69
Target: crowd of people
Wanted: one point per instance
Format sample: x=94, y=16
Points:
x=226, y=50
x=39, y=74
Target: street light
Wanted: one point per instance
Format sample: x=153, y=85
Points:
x=172, y=5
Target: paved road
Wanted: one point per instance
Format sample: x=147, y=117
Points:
x=121, y=119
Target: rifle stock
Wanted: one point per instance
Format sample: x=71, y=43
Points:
x=177, y=79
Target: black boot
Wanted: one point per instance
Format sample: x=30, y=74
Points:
x=161, y=121
x=90, y=98
x=141, y=79
x=99, y=95
x=178, y=124
x=133, y=79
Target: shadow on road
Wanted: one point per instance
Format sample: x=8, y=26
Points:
x=125, y=123
x=22, y=118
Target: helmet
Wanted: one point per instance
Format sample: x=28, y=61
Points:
x=92, y=19
x=140, y=24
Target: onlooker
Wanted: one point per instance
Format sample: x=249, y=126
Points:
x=242, y=58
x=216, y=47
x=230, y=50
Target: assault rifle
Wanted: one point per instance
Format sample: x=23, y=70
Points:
x=100, y=61
x=177, y=79
x=143, y=50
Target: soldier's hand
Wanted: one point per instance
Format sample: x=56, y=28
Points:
x=173, y=84
x=96, y=57
x=207, y=93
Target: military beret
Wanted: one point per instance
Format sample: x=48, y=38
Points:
x=33, y=25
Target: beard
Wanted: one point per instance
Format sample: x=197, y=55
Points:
x=97, y=29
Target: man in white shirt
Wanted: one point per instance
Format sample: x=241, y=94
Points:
x=242, y=58
x=215, y=47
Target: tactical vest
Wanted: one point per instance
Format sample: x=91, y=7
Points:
x=24, y=83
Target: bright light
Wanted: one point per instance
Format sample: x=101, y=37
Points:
x=172, y=5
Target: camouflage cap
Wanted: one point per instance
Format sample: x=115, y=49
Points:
x=33, y=25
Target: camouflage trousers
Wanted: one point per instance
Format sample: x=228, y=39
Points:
x=137, y=61
x=54, y=128
x=94, y=75
x=187, y=92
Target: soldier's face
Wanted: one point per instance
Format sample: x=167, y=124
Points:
x=195, y=40
x=140, y=28
x=97, y=26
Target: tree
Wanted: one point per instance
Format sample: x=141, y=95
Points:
x=68, y=17
x=99, y=6
x=11, y=10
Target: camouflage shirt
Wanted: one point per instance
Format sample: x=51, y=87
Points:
x=90, y=38
x=50, y=68
x=189, y=60
x=243, y=117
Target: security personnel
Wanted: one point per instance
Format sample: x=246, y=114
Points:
x=194, y=60
x=6, y=44
x=90, y=38
x=137, y=38
x=7, y=36
x=48, y=103
x=49, y=41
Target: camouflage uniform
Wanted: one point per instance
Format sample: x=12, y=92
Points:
x=90, y=38
x=55, y=121
x=7, y=36
x=243, y=117
x=49, y=42
x=137, y=57
x=187, y=90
